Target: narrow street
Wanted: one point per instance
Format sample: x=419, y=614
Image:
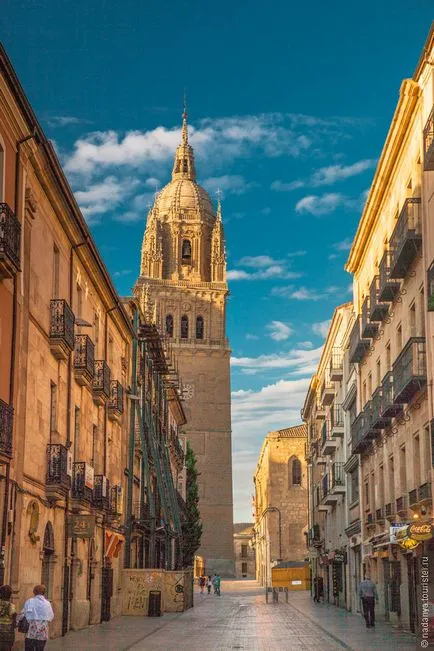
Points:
x=240, y=619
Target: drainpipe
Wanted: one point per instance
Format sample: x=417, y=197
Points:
x=127, y=552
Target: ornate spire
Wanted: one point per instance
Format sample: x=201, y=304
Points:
x=184, y=123
x=219, y=205
x=183, y=167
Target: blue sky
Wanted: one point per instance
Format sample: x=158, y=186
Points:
x=289, y=105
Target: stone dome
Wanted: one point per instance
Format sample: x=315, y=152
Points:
x=184, y=195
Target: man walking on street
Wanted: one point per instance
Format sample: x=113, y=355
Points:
x=368, y=595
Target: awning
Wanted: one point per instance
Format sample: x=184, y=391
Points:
x=113, y=544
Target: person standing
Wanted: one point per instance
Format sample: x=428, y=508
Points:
x=8, y=616
x=217, y=585
x=209, y=585
x=368, y=595
x=39, y=613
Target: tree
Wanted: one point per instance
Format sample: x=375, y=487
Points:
x=192, y=525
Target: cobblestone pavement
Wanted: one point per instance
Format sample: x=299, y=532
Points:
x=240, y=619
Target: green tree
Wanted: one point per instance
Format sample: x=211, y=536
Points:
x=192, y=525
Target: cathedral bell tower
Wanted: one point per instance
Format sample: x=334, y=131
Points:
x=183, y=281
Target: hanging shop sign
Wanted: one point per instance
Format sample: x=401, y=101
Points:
x=420, y=531
x=397, y=533
x=81, y=526
x=408, y=544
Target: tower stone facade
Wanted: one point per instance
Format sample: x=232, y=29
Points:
x=182, y=283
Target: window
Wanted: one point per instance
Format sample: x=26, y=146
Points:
x=169, y=325
x=366, y=495
x=96, y=333
x=413, y=320
x=94, y=443
x=402, y=470
x=381, y=487
x=56, y=260
x=110, y=351
x=77, y=419
x=422, y=312
x=184, y=327
x=243, y=551
x=391, y=480
x=416, y=461
x=388, y=358
x=398, y=339
x=79, y=301
x=364, y=399
x=369, y=386
x=355, y=485
x=353, y=411
x=53, y=407
x=378, y=379
x=244, y=569
x=186, y=251
x=199, y=327
x=294, y=472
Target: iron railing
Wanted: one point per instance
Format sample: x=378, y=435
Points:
x=377, y=309
x=401, y=504
x=116, y=500
x=62, y=322
x=389, y=408
x=412, y=497
x=10, y=239
x=409, y=370
x=101, y=493
x=82, y=481
x=358, y=427
x=387, y=287
x=358, y=346
x=6, y=428
x=58, y=466
x=338, y=474
x=368, y=329
x=336, y=416
x=425, y=492
x=389, y=510
x=101, y=379
x=336, y=364
x=406, y=238
x=116, y=403
x=428, y=143
x=324, y=486
x=84, y=355
x=379, y=514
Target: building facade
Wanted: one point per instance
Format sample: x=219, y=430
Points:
x=244, y=552
x=69, y=350
x=281, y=492
x=183, y=278
x=387, y=367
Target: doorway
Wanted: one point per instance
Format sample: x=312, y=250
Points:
x=47, y=560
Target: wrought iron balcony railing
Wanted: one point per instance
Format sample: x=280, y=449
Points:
x=140, y=512
x=409, y=371
x=336, y=418
x=101, y=493
x=328, y=442
x=84, y=352
x=82, y=481
x=388, y=287
x=425, y=492
x=389, y=408
x=336, y=368
x=358, y=346
x=327, y=391
x=389, y=510
x=377, y=309
x=338, y=474
x=61, y=328
x=428, y=144
x=378, y=421
x=116, y=403
x=358, y=440
x=116, y=500
x=59, y=466
x=101, y=381
x=6, y=428
x=324, y=486
x=379, y=515
x=401, y=505
x=368, y=329
x=10, y=242
x=406, y=238
x=412, y=497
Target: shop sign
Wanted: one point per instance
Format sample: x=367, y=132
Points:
x=420, y=531
x=81, y=526
x=408, y=544
x=397, y=533
x=339, y=557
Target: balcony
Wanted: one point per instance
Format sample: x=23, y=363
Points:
x=320, y=412
x=336, y=420
x=59, y=471
x=101, y=493
x=140, y=512
x=378, y=421
x=82, y=482
x=6, y=428
x=328, y=443
x=401, y=505
x=84, y=352
x=368, y=329
x=388, y=288
x=406, y=239
x=328, y=496
x=389, y=408
x=379, y=515
x=421, y=496
x=358, y=346
x=101, y=382
x=61, y=328
x=390, y=511
x=428, y=144
x=116, y=501
x=412, y=498
x=338, y=478
x=377, y=309
x=10, y=242
x=369, y=520
x=116, y=402
x=336, y=368
x=409, y=371
x=327, y=391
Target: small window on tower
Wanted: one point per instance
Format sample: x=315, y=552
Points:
x=186, y=251
x=184, y=165
x=199, y=327
x=169, y=325
x=184, y=327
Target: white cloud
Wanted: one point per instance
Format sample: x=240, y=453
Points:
x=275, y=271
x=321, y=328
x=321, y=205
x=300, y=294
x=333, y=173
x=152, y=182
x=343, y=245
x=295, y=360
x=120, y=274
x=104, y=196
x=251, y=337
x=281, y=186
x=64, y=120
x=258, y=261
x=279, y=331
x=306, y=344
x=228, y=184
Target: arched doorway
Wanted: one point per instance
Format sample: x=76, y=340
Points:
x=48, y=559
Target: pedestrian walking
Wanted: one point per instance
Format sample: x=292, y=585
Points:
x=38, y=612
x=217, y=585
x=202, y=582
x=8, y=617
x=209, y=584
x=368, y=595
x=213, y=580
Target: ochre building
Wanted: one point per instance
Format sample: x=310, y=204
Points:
x=183, y=278
x=281, y=490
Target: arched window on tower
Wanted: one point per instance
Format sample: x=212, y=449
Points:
x=186, y=252
x=294, y=472
x=184, y=327
x=184, y=165
x=169, y=325
x=199, y=327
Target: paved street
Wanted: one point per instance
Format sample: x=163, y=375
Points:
x=240, y=619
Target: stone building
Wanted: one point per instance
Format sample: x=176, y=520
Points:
x=65, y=363
x=281, y=492
x=183, y=277
x=244, y=552
x=389, y=359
